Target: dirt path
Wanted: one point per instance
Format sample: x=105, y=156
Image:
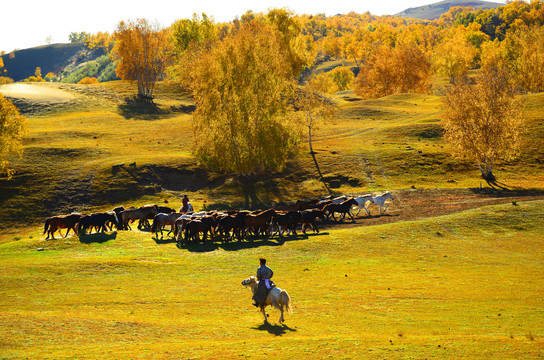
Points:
x=415, y=204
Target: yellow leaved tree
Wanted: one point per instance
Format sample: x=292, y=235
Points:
x=392, y=70
x=12, y=129
x=483, y=122
x=241, y=87
x=143, y=51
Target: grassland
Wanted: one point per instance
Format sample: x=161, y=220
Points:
x=464, y=285
x=461, y=286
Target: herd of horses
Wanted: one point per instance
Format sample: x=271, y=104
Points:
x=218, y=225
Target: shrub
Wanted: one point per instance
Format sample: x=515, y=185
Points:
x=88, y=81
x=5, y=80
x=34, y=79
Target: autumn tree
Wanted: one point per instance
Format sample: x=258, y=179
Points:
x=143, y=51
x=195, y=31
x=241, y=88
x=524, y=51
x=392, y=70
x=12, y=129
x=483, y=122
x=454, y=57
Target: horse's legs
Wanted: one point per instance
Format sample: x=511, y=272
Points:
x=264, y=314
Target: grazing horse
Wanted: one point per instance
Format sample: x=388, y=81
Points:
x=97, y=220
x=380, y=200
x=141, y=214
x=61, y=222
x=308, y=218
x=342, y=208
x=361, y=202
x=161, y=220
x=276, y=297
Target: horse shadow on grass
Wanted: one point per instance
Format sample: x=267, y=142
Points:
x=245, y=244
x=97, y=238
x=275, y=329
x=162, y=240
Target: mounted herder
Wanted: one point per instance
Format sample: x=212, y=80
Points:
x=266, y=293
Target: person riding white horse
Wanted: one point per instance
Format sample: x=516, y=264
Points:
x=274, y=297
x=264, y=274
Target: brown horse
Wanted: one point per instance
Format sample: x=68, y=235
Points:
x=162, y=219
x=260, y=222
x=141, y=214
x=61, y=222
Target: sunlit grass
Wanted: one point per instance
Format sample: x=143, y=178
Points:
x=458, y=286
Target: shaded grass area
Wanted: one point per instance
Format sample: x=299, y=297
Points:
x=458, y=286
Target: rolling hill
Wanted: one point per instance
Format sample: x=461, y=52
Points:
x=54, y=58
x=434, y=11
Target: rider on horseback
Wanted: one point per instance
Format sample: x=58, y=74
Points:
x=264, y=273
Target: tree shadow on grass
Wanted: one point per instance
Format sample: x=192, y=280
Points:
x=98, y=238
x=275, y=329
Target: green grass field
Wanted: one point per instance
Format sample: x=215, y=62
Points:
x=468, y=285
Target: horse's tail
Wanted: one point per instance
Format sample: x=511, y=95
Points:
x=154, y=225
x=46, y=225
x=285, y=300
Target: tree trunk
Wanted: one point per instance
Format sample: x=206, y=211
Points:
x=250, y=194
x=312, y=152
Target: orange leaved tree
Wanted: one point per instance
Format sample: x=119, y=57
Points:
x=143, y=52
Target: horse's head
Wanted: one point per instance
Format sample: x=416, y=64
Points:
x=249, y=281
x=387, y=194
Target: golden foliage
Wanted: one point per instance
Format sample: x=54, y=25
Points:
x=12, y=129
x=88, y=81
x=103, y=40
x=143, y=52
x=483, y=122
x=5, y=80
x=524, y=49
x=404, y=68
x=454, y=57
x=241, y=87
x=322, y=83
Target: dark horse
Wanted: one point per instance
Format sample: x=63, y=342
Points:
x=97, y=220
x=342, y=208
x=308, y=218
x=61, y=222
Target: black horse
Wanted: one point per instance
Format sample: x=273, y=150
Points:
x=342, y=208
x=98, y=221
x=308, y=218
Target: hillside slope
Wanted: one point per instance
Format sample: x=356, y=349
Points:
x=434, y=11
x=99, y=150
x=50, y=58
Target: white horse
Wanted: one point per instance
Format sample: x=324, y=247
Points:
x=380, y=200
x=361, y=201
x=276, y=297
